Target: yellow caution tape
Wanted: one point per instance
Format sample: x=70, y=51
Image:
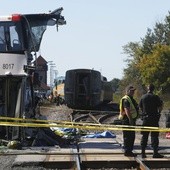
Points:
x=8, y=121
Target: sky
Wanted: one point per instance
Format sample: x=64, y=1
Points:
x=95, y=32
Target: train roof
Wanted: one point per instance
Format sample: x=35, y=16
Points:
x=82, y=70
x=51, y=18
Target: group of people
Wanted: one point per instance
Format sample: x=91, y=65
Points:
x=151, y=106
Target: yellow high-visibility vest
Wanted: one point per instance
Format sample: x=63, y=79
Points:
x=132, y=108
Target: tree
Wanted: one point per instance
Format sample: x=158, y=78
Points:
x=115, y=83
x=131, y=73
x=148, y=60
x=155, y=67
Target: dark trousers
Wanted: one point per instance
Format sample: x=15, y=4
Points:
x=128, y=137
x=150, y=122
x=154, y=140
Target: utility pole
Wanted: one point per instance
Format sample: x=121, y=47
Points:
x=52, y=66
x=55, y=75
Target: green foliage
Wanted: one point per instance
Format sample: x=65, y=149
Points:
x=115, y=83
x=117, y=97
x=155, y=67
x=148, y=61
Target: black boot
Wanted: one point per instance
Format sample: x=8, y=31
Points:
x=143, y=153
x=156, y=154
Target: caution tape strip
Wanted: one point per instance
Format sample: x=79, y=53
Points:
x=7, y=121
x=65, y=122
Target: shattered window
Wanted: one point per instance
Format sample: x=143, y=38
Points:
x=2, y=39
x=37, y=31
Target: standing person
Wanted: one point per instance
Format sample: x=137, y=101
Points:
x=129, y=113
x=151, y=106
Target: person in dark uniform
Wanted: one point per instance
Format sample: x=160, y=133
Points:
x=129, y=113
x=151, y=106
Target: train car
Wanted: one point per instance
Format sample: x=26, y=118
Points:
x=86, y=89
x=58, y=89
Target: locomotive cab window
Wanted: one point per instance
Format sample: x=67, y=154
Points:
x=11, y=38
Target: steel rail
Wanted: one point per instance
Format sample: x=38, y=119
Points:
x=142, y=165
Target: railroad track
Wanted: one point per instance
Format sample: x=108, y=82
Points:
x=108, y=117
x=100, y=117
x=88, y=154
x=92, y=153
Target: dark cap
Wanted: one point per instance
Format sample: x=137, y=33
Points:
x=130, y=88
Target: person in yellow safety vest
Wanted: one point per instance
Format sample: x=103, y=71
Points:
x=128, y=114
